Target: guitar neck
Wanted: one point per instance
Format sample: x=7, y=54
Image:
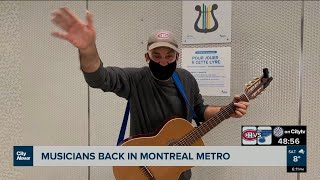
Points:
x=209, y=124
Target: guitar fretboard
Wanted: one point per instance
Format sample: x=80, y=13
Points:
x=209, y=124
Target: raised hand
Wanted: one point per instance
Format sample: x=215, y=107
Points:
x=80, y=34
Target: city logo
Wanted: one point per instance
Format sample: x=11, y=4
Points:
x=204, y=19
x=252, y=135
x=22, y=155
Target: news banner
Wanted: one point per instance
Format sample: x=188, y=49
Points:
x=260, y=146
x=294, y=138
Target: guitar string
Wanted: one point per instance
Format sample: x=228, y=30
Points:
x=209, y=124
x=202, y=130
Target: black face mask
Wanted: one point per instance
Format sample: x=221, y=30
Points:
x=162, y=72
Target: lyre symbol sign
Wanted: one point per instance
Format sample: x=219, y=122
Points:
x=205, y=19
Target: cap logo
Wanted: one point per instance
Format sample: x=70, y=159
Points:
x=163, y=35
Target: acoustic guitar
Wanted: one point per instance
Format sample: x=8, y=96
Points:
x=179, y=132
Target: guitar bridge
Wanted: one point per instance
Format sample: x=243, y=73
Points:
x=147, y=172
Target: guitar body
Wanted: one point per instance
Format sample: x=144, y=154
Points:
x=172, y=131
x=178, y=128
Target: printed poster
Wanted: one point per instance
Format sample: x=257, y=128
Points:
x=206, y=22
x=210, y=67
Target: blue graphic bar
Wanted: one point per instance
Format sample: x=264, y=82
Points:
x=297, y=158
x=206, y=52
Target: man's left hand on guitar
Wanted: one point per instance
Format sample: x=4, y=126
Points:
x=241, y=108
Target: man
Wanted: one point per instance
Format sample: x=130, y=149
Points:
x=151, y=90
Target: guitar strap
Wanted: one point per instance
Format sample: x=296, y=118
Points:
x=124, y=124
x=177, y=81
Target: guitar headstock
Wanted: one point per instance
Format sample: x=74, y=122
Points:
x=259, y=84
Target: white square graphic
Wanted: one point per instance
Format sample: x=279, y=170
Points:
x=249, y=135
x=266, y=135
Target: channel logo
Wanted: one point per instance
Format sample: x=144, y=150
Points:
x=253, y=135
x=22, y=155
